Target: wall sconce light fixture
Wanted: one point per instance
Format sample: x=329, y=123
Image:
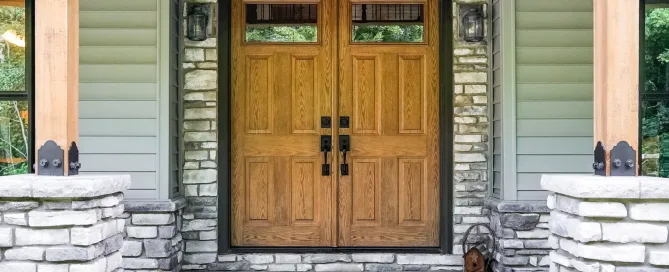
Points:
x=198, y=18
x=471, y=23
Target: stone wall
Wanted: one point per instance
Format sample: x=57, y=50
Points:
x=61, y=223
x=339, y=262
x=200, y=178
x=470, y=64
x=608, y=223
x=153, y=238
x=470, y=178
x=522, y=235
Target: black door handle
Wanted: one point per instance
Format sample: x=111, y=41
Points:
x=326, y=146
x=344, y=146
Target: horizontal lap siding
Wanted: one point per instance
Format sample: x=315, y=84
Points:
x=554, y=76
x=119, y=91
x=496, y=99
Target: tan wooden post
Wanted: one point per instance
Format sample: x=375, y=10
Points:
x=56, y=76
x=616, y=75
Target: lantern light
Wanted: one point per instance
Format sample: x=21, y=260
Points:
x=472, y=23
x=197, y=23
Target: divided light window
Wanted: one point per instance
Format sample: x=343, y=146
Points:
x=389, y=23
x=281, y=23
x=15, y=88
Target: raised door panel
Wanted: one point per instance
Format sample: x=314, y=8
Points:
x=305, y=103
x=259, y=94
x=366, y=179
x=366, y=94
x=412, y=94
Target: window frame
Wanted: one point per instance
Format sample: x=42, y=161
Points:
x=28, y=94
x=319, y=24
x=349, y=18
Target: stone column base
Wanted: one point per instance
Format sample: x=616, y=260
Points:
x=153, y=235
x=62, y=223
x=521, y=229
x=608, y=223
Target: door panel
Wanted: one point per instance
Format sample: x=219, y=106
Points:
x=390, y=92
x=279, y=92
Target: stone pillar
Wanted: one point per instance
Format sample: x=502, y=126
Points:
x=521, y=229
x=608, y=223
x=61, y=223
x=153, y=235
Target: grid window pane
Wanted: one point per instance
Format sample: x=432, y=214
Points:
x=14, y=133
x=294, y=23
x=391, y=23
x=12, y=49
x=654, y=106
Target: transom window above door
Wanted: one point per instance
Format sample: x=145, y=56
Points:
x=282, y=23
x=387, y=23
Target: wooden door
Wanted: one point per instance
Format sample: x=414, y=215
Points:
x=390, y=93
x=280, y=90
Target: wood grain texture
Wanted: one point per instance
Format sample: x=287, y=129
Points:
x=57, y=74
x=390, y=91
x=13, y=3
x=279, y=93
x=616, y=74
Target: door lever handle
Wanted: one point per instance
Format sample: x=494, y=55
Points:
x=344, y=146
x=326, y=146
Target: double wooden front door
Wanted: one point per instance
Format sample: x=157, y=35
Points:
x=280, y=94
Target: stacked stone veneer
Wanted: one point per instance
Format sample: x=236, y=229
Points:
x=608, y=223
x=470, y=130
x=471, y=122
x=522, y=235
x=61, y=224
x=339, y=262
x=153, y=238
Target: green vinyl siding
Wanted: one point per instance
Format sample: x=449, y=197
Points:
x=119, y=92
x=554, y=76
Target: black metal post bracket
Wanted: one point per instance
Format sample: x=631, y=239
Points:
x=599, y=165
x=51, y=159
x=623, y=160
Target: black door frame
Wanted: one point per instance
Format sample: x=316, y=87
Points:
x=445, y=143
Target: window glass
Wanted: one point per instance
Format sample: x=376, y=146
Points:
x=654, y=106
x=392, y=23
x=13, y=137
x=15, y=130
x=12, y=49
x=282, y=23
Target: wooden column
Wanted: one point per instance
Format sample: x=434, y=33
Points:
x=616, y=75
x=56, y=76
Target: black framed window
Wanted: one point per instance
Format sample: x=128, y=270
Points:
x=389, y=23
x=282, y=23
x=16, y=85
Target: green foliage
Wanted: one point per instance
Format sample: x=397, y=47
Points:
x=281, y=34
x=308, y=33
x=13, y=127
x=12, y=58
x=388, y=33
x=656, y=46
